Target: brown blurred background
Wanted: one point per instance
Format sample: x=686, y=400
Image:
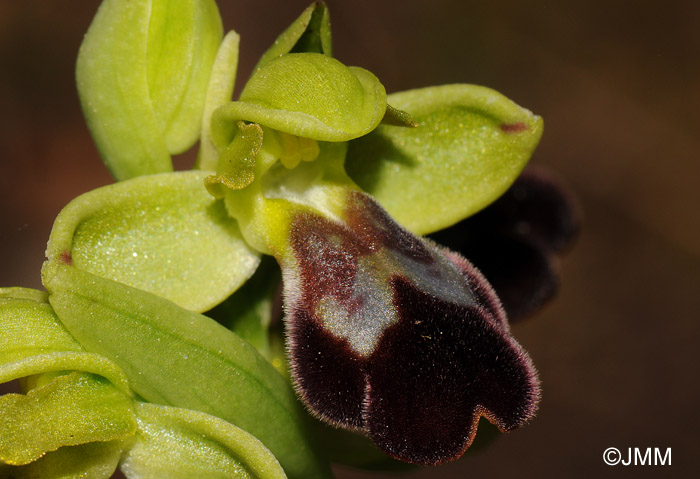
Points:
x=618, y=84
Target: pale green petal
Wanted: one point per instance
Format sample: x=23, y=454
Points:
x=179, y=443
x=73, y=409
x=470, y=144
x=142, y=75
x=308, y=95
x=176, y=357
x=95, y=460
x=162, y=233
x=310, y=33
x=220, y=90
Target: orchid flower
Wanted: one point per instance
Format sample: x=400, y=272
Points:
x=388, y=333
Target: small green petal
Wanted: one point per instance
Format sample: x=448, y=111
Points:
x=176, y=357
x=142, y=75
x=395, y=117
x=162, y=233
x=470, y=144
x=95, y=460
x=308, y=95
x=220, y=90
x=73, y=409
x=236, y=168
x=310, y=33
x=182, y=444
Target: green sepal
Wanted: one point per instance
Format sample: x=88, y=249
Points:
x=310, y=33
x=76, y=408
x=471, y=143
x=175, y=357
x=219, y=91
x=308, y=95
x=95, y=460
x=33, y=341
x=142, y=76
x=181, y=444
x=161, y=233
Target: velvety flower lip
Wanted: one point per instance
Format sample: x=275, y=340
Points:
x=516, y=240
x=403, y=340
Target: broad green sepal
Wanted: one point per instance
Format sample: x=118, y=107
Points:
x=310, y=33
x=76, y=408
x=308, y=95
x=219, y=91
x=142, y=75
x=471, y=143
x=95, y=460
x=176, y=357
x=182, y=444
x=161, y=233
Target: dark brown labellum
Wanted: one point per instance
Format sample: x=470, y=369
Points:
x=394, y=336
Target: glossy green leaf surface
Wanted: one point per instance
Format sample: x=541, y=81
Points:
x=161, y=233
x=142, y=76
x=176, y=357
x=77, y=408
x=182, y=444
x=309, y=95
x=310, y=33
x=470, y=144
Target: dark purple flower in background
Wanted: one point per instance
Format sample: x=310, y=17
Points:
x=517, y=240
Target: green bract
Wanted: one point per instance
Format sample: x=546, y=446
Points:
x=142, y=74
x=77, y=408
x=180, y=358
x=179, y=443
x=161, y=233
x=94, y=460
x=470, y=144
x=35, y=342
